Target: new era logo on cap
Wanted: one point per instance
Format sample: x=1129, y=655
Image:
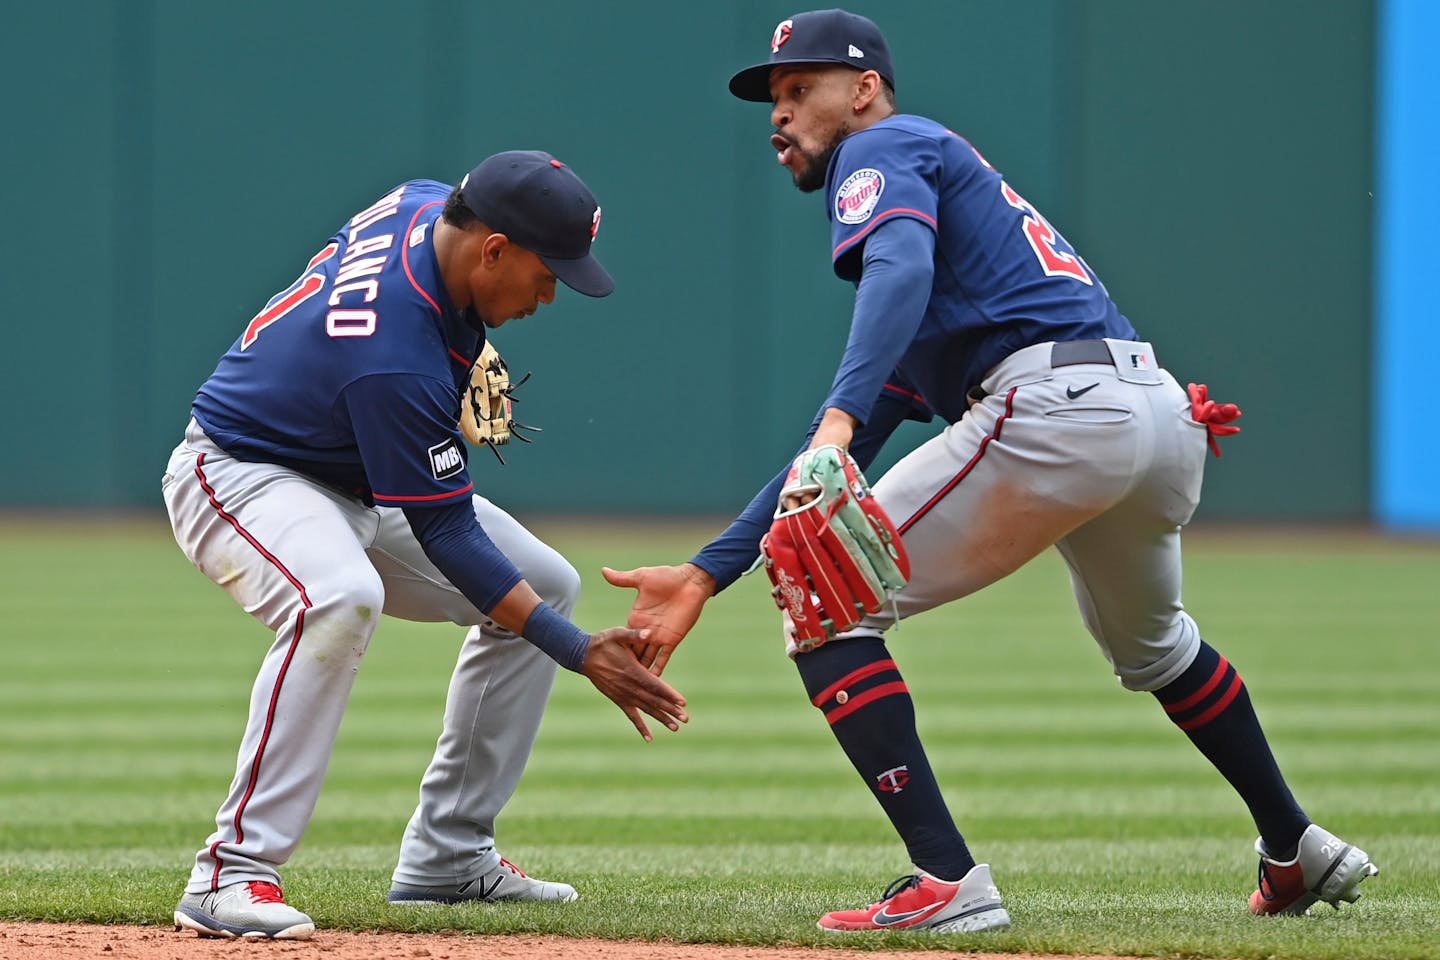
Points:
x=856, y=51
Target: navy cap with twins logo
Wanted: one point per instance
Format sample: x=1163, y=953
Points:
x=541, y=204
x=819, y=36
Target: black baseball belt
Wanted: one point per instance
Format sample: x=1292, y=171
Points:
x=1064, y=353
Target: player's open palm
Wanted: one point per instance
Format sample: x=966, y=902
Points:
x=612, y=666
x=667, y=603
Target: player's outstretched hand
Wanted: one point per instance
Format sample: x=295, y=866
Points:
x=611, y=664
x=668, y=603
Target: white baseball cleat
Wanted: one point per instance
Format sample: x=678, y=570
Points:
x=505, y=882
x=1325, y=868
x=250, y=908
x=922, y=902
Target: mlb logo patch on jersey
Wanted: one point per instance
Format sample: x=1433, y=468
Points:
x=445, y=459
x=858, y=195
x=1139, y=361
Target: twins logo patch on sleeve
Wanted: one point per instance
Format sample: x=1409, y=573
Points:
x=445, y=459
x=858, y=196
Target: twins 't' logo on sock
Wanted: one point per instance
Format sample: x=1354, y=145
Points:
x=894, y=779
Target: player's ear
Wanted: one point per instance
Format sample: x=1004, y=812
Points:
x=492, y=249
x=867, y=88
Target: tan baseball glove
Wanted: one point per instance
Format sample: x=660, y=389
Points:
x=486, y=417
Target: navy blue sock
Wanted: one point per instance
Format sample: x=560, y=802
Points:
x=1210, y=703
x=864, y=698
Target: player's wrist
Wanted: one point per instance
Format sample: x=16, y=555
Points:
x=699, y=576
x=561, y=640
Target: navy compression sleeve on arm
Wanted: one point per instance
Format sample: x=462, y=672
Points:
x=461, y=550
x=889, y=305
x=732, y=553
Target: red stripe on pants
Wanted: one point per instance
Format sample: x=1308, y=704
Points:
x=279, y=680
x=964, y=471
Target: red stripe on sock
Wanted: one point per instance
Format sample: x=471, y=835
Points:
x=869, y=670
x=1203, y=692
x=869, y=696
x=1215, y=710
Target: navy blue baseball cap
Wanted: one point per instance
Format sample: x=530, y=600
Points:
x=820, y=36
x=540, y=203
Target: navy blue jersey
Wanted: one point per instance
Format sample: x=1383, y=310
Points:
x=1004, y=278
x=353, y=374
x=1000, y=279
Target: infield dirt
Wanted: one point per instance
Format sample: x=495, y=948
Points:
x=74, y=941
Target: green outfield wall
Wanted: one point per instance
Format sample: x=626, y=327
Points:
x=170, y=165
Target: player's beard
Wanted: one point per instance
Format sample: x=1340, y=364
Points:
x=811, y=177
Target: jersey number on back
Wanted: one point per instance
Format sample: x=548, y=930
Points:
x=302, y=290
x=1042, y=237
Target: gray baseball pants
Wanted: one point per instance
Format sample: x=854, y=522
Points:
x=319, y=568
x=1101, y=459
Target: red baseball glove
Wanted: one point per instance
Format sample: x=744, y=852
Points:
x=837, y=555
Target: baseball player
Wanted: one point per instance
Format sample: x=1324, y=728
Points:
x=323, y=481
x=1061, y=427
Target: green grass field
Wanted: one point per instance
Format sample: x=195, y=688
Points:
x=125, y=676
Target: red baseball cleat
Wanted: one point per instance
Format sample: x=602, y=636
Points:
x=922, y=902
